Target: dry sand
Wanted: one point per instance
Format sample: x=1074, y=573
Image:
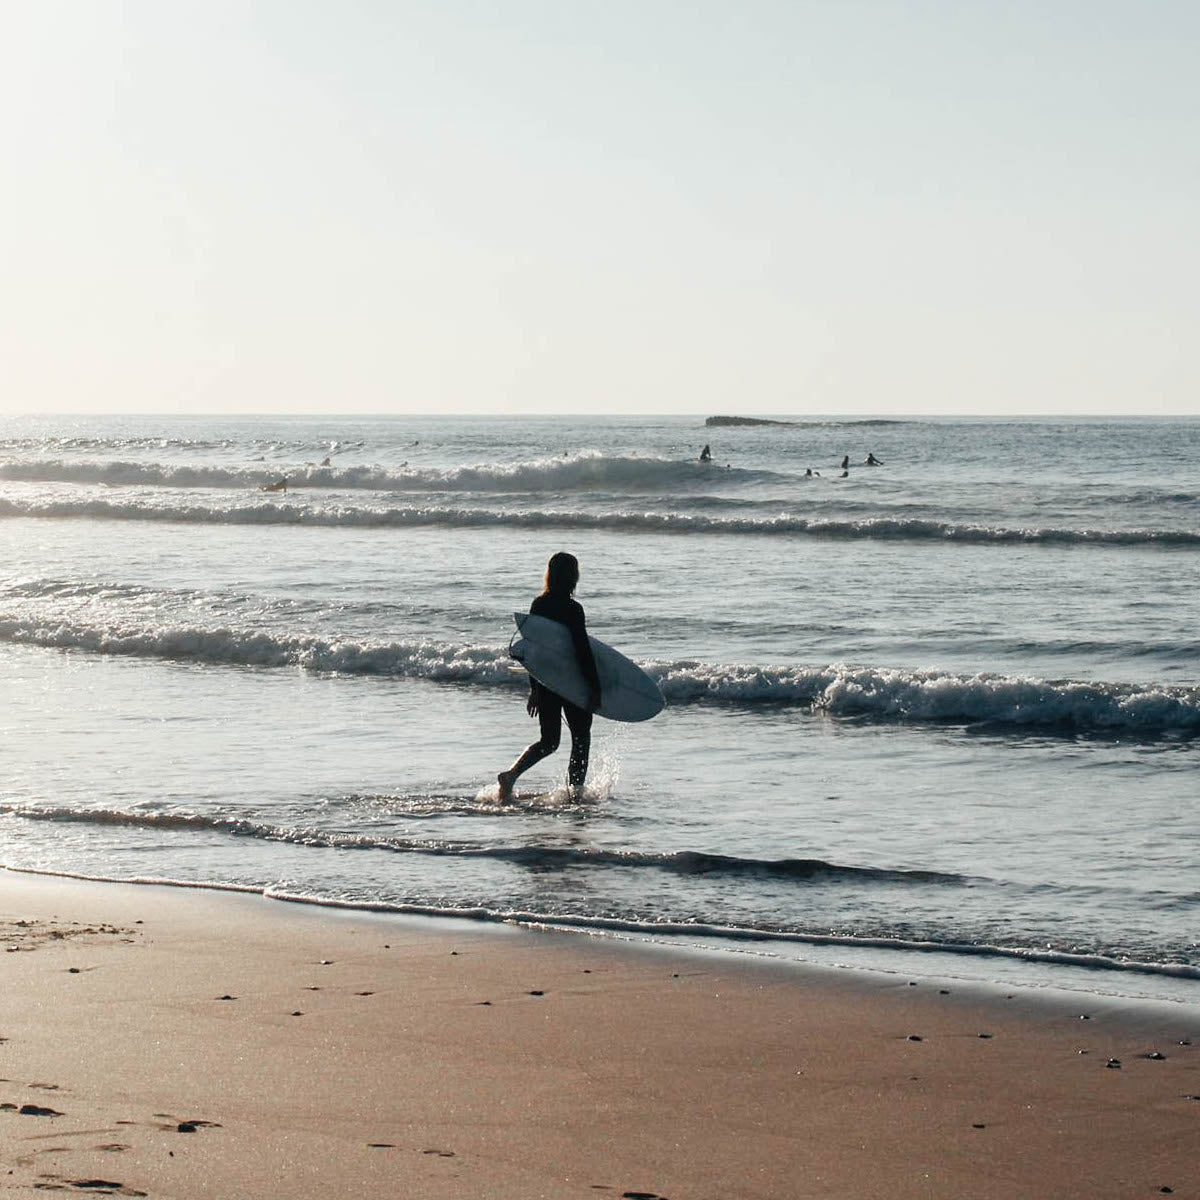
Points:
x=181, y=1043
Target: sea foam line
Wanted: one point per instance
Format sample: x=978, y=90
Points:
x=583, y=923
x=880, y=693
x=324, y=515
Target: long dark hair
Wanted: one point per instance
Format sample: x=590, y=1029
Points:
x=562, y=574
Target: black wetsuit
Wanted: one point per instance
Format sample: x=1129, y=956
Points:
x=551, y=706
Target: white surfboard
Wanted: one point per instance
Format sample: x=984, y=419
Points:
x=544, y=648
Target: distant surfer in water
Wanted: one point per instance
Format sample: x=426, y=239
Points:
x=872, y=461
x=280, y=485
x=557, y=603
x=706, y=454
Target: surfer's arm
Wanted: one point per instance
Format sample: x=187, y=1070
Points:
x=583, y=654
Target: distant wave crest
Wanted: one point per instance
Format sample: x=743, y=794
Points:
x=877, y=693
x=302, y=512
x=567, y=474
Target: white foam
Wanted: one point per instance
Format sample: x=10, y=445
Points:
x=840, y=689
x=307, y=511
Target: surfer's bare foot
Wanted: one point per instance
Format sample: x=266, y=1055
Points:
x=505, y=780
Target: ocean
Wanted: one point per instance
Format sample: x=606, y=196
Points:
x=935, y=717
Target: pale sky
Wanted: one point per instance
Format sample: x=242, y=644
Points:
x=592, y=206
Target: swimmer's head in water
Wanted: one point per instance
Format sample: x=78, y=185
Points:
x=562, y=574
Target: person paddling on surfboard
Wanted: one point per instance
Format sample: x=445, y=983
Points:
x=557, y=603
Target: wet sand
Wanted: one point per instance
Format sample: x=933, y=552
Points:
x=181, y=1043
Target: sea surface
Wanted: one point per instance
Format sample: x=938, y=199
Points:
x=939, y=716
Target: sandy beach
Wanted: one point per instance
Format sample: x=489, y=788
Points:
x=180, y=1043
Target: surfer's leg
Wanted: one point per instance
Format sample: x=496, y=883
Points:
x=579, y=722
x=550, y=726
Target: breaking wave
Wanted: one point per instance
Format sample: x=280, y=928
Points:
x=876, y=693
x=569, y=474
x=292, y=512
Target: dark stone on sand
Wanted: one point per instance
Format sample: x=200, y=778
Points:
x=36, y=1110
x=1183, y=1042
x=326, y=962
x=985, y=1035
x=943, y=991
x=915, y=1037
x=13, y=1107
x=537, y=992
x=1166, y=1190
x=1155, y=1056
x=381, y=1145
x=453, y=953
x=1084, y=1017
x=95, y=1183
x=364, y=993
x=978, y=1125
x=642, y=1196
x=1114, y=1064
x=1192, y=1097
x=72, y=970
x=227, y=996
x=440, y=1153
x=297, y=1013
x=483, y=1004
x=186, y=1127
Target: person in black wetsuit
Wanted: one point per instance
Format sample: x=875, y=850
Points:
x=557, y=603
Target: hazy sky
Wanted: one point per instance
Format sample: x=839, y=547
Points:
x=826, y=206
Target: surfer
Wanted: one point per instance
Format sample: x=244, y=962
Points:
x=557, y=603
x=280, y=485
x=846, y=463
x=872, y=461
x=706, y=454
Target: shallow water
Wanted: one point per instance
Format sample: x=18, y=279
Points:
x=951, y=702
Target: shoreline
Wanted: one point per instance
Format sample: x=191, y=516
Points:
x=198, y=1042
x=1049, y=971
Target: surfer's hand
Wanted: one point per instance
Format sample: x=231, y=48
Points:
x=531, y=705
